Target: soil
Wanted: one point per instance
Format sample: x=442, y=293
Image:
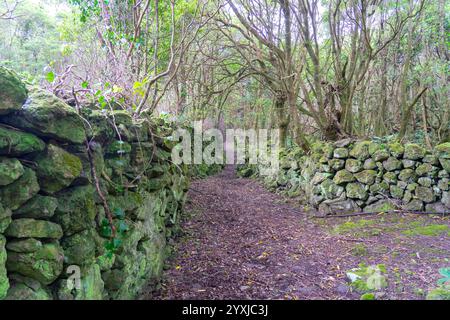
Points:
x=241, y=241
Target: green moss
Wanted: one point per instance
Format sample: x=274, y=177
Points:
x=428, y=230
x=360, y=285
x=10, y=170
x=20, y=191
x=4, y=283
x=44, y=265
x=396, y=149
x=57, y=169
x=13, y=92
x=359, y=250
x=353, y=226
x=48, y=116
x=440, y=293
x=380, y=206
x=368, y=296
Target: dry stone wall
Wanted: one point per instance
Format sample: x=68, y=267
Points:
x=52, y=218
x=349, y=176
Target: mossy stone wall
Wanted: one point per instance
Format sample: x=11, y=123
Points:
x=52, y=218
x=349, y=176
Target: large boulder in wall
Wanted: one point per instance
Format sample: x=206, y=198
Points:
x=48, y=116
x=13, y=92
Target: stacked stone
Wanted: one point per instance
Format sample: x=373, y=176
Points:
x=375, y=177
x=51, y=215
x=349, y=176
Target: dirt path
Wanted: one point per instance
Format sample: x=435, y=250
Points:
x=243, y=242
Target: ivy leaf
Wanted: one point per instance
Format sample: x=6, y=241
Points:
x=106, y=231
x=122, y=227
x=119, y=213
x=50, y=77
x=85, y=84
x=445, y=272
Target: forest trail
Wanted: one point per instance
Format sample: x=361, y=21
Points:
x=241, y=241
x=244, y=242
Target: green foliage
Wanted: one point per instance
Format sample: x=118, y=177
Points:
x=368, y=296
x=50, y=77
x=88, y=8
x=121, y=227
x=428, y=230
x=442, y=291
x=367, y=279
x=30, y=42
x=445, y=272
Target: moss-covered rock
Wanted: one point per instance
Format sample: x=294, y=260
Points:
x=375, y=146
x=431, y=158
x=343, y=176
x=414, y=205
x=443, y=150
x=17, y=143
x=366, y=176
x=22, y=291
x=76, y=209
x=118, y=147
x=24, y=245
x=445, y=163
x=414, y=151
x=396, y=149
x=44, y=265
x=330, y=190
x=79, y=248
x=92, y=286
x=425, y=181
x=392, y=164
x=390, y=177
x=407, y=175
x=4, y=282
x=39, y=207
x=48, y=116
x=340, y=153
x=57, y=168
x=379, y=188
x=20, y=191
x=10, y=170
x=425, y=194
x=31, y=228
x=380, y=155
x=407, y=164
x=437, y=207
x=444, y=184
x=353, y=165
x=396, y=192
x=319, y=177
x=360, y=150
x=445, y=199
x=369, y=164
x=356, y=191
x=13, y=92
x=425, y=169
x=5, y=218
x=338, y=206
x=383, y=205
x=336, y=164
